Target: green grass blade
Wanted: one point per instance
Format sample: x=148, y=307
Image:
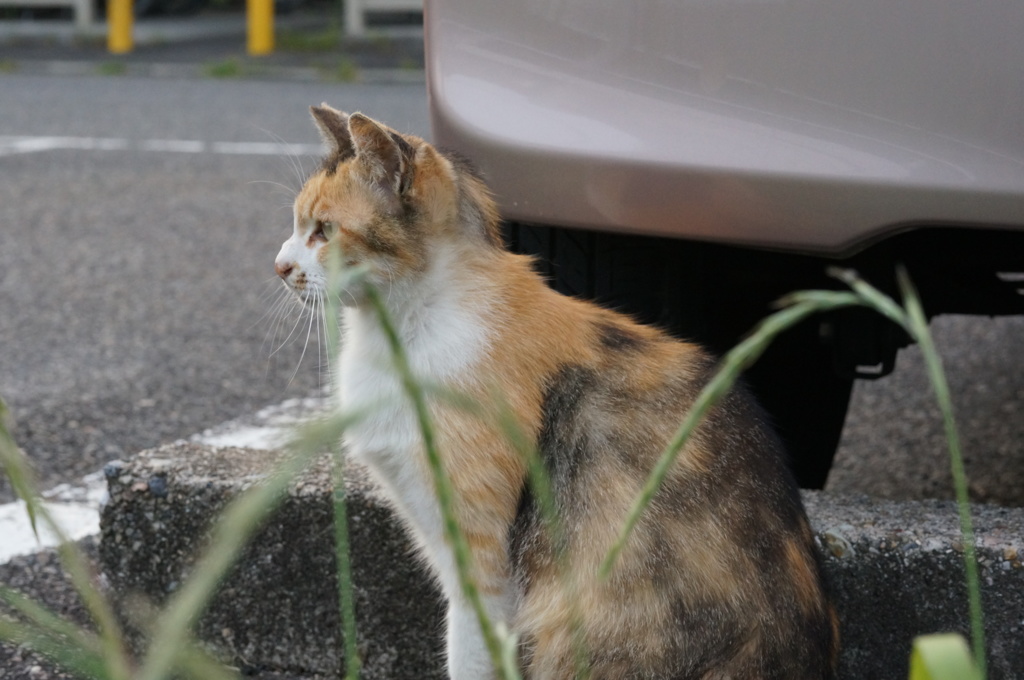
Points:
x=342, y=545
x=78, y=660
x=322, y=434
x=82, y=576
x=871, y=296
x=543, y=493
x=234, y=528
x=942, y=657
x=13, y=463
x=821, y=300
x=498, y=413
x=738, y=359
x=442, y=484
x=509, y=653
x=196, y=663
x=48, y=621
x=74, y=562
x=72, y=647
x=346, y=588
x=919, y=327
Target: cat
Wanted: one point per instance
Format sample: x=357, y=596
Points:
x=720, y=578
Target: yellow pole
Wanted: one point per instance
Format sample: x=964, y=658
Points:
x=119, y=26
x=260, y=26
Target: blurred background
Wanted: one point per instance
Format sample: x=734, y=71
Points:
x=323, y=39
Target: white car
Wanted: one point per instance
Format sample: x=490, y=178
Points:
x=692, y=161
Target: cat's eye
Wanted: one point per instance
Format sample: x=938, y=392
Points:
x=323, y=231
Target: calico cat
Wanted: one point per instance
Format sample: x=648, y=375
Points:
x=720, y=578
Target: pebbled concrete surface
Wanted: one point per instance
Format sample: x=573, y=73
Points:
x=896, y=571
x=278, y=611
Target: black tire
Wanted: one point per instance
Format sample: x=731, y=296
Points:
x=713, y=295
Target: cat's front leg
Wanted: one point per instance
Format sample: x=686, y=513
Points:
x=468, y=658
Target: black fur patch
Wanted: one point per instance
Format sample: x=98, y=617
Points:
x=619, y=339
x=404, y=148
x=705, y=636
x=564, y=440
x=564, y=447
x=463, y=165
x=408, y=154
x=469, y=174
x=523, y=535
x=329, y=165
x=377, y=243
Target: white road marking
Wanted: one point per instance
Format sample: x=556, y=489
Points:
x=173, y=145
x=267, y=148
x=76, y=508
x=11, y=145
x=268, y=428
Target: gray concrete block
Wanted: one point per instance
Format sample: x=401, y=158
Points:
x=278, y=609
x=896, y=569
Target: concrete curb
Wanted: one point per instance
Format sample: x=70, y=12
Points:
x=896, y=569
x=278, y=610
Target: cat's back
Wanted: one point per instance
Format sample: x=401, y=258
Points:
x=720, y=574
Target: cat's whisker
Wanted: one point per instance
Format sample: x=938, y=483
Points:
x=274, y=318
x=320, y=338
x=273, y=343
x=291, y=333
x=278, y=318
x=272, y=284
x=289, y=191
x=305, y=346
x=290, y=308
x=325, y=339
x=272, y=287
x=279, y=308
x=293, y=159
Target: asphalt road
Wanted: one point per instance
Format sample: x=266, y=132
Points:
x=134, y=286
x=894, y=445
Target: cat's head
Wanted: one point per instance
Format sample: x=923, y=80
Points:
x=381, y=200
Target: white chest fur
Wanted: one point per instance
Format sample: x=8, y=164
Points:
x=444, y=339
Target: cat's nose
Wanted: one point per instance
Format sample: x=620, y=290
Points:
x=284, y=268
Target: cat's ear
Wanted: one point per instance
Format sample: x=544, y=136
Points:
x=333, y=126
x=385, y=154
